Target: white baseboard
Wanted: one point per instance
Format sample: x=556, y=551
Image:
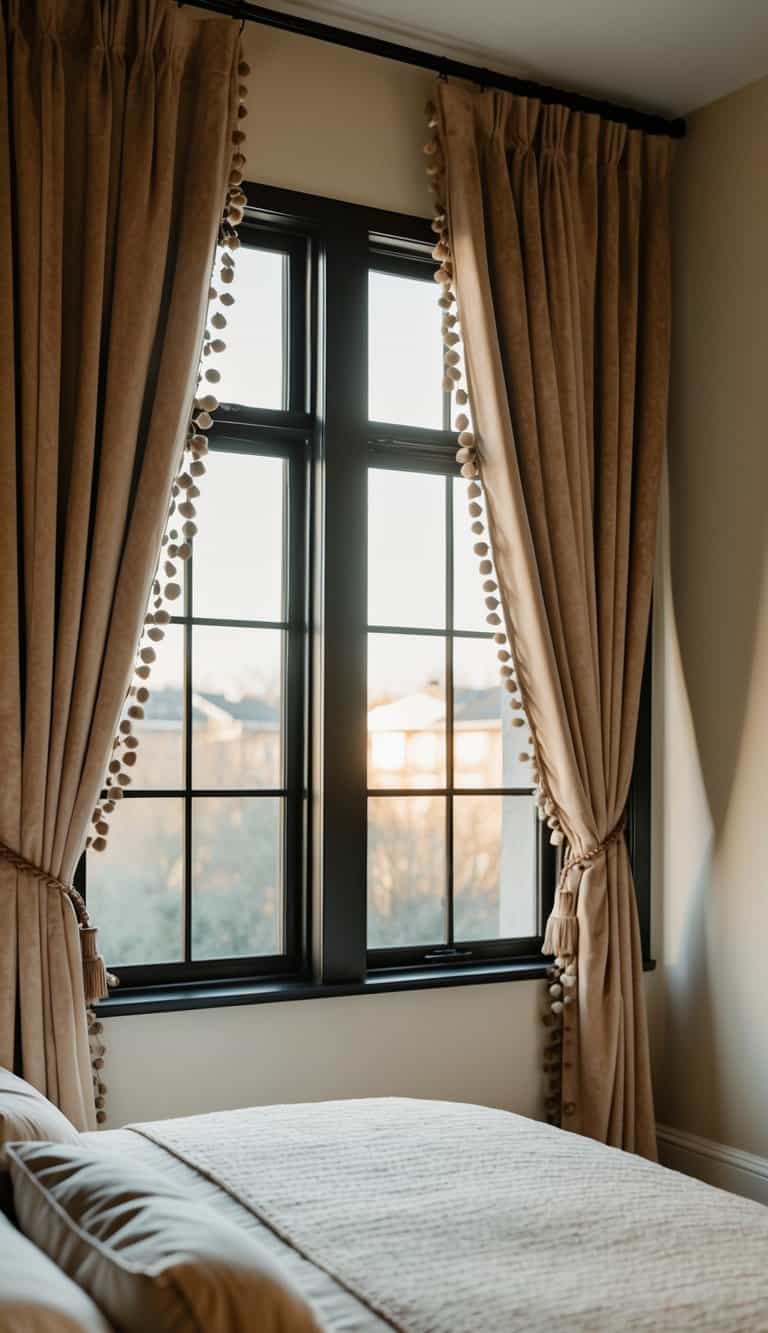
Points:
x=717, y=1164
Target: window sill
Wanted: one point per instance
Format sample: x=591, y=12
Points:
x=219, y=995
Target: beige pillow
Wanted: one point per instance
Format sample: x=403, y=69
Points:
x=26, y=1114
x=35, y=1297
x=150, y=1257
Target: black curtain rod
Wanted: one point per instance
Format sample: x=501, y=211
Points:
x=408, y=55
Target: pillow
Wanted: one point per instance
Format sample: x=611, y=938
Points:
x=35, y=1296
x=151, y=1257
x=26, y=1114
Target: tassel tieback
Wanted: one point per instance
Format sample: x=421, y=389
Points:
x=96, y=979
x=562, y=933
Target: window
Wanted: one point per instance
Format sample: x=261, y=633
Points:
x=328, y=788
x=201, y=876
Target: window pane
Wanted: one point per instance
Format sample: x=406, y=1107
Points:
x=486, y=747
x=236, y=707
x=405, y=352
x=469, y=610
x=136, y=887
x=406, y=871
x=406, y=710
x=252, y=370
x=160, y=754
x=406, y=549
x=494, y=866
x=238, y=560
x=237, y=897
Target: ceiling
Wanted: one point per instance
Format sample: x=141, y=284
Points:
x=670, y=56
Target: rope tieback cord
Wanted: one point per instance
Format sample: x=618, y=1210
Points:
x=96, y=979
x=561, y=937
x=584, y=859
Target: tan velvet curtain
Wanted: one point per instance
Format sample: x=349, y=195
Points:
x=115, y=122
x=559, y=238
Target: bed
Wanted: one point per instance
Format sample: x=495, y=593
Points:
x=439, y=1217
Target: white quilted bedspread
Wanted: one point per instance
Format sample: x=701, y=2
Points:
x=446, y=1218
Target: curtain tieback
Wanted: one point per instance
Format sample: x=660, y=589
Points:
x=96, y=979
x=562, y=934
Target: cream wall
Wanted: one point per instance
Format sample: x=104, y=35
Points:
x=711, y=682
x=333, y=122
x=330, y=121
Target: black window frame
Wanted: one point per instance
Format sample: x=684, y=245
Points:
x=276, y=433
x=330, y=443
x=416, y=449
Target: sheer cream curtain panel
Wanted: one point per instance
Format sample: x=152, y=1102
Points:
x=552, y=232
x=116, y=161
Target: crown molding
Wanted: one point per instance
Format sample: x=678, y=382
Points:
x=424, y=39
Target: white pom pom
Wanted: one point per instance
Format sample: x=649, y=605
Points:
x=556, y=1006
x=556, y=990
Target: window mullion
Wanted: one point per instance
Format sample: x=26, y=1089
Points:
x=339, y=702
x=449, y=774
x=188, y=760
x=294, y=840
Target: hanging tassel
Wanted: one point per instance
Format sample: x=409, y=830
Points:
x=95, y=975
x=562, y=934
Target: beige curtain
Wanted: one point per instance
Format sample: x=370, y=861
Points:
x=115, y=123
x=557, y=242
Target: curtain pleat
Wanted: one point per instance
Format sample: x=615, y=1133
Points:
x=557, y=228
x=115, y=124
